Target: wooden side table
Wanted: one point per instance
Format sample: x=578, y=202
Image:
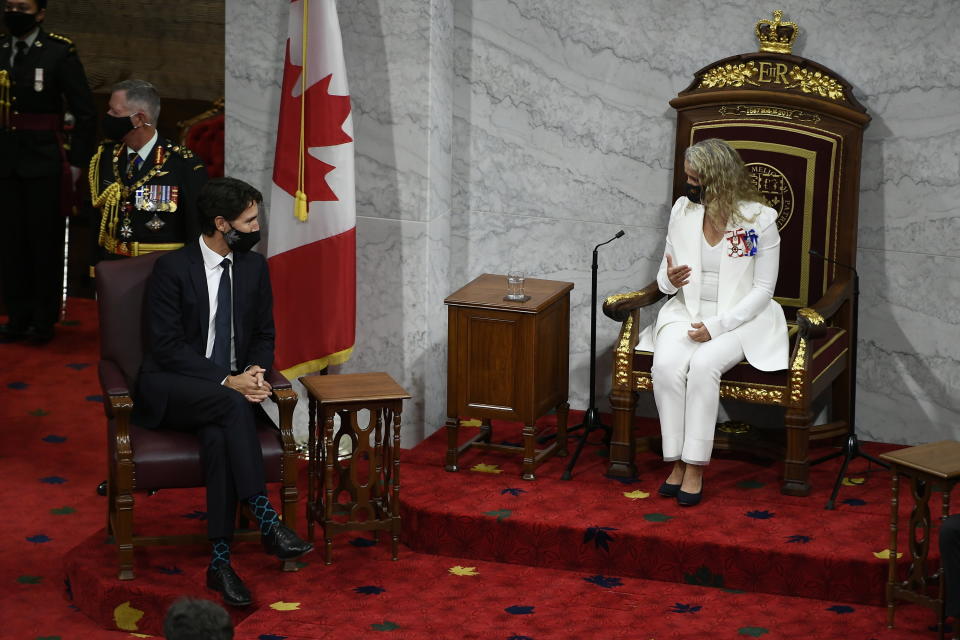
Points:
x=509, y=361
x=930, y=467
x=361, y=492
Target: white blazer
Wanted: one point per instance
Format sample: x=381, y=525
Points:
x=745, y=304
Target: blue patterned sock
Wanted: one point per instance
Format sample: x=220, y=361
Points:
x=264, y=512
x=221, y=553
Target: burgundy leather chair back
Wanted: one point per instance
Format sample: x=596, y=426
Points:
x=205, y=139
x=121, y=291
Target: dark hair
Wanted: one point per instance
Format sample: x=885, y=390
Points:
x=194, y=619
x=227, y=197
x=41, y=4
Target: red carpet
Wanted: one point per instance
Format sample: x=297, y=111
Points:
x=552, y=559
x=744, y=535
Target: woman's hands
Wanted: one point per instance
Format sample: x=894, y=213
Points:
x=678, y=276
x=699, y=333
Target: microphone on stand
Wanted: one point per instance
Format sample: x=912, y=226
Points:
x=591, y=419
x=851, y=449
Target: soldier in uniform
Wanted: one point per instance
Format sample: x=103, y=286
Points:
x=39, y=73
x=145, y=186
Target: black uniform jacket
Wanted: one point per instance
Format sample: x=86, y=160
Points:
x=51, y=74
x=178, y=314
x=167, y=164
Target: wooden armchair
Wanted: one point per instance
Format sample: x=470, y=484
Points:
x=800, y=131
x=151, y=459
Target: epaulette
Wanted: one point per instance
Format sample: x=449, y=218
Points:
x=64, y=39
x=60, y=37
x=180, y=150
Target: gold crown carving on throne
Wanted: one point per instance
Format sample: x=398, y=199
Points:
x=776, y=36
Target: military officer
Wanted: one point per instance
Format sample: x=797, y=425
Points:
x=39, y=74
x=145, y=186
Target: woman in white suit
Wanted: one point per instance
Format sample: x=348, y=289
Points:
x=720, y=264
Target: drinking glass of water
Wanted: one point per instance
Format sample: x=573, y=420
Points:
x=515, y=286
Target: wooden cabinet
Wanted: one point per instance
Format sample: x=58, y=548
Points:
x=509, y=361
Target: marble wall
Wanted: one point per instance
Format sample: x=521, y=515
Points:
x=499, y=134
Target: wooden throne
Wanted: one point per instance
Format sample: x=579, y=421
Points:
x=799, y=129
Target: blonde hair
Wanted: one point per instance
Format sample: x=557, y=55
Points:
x=724, y=180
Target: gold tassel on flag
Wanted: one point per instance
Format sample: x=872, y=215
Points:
x=300, y=210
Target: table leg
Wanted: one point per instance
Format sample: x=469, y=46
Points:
x=892, y=564
x=529, y=451
x=311, y=465
x=453, y=425
x=941, y=586
x=395, y=486
x=330, y=457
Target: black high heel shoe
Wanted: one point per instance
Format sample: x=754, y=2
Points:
x=668, y=490
x=685, y=499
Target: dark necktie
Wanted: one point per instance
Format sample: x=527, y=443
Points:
x=21, y=53
x=133, y=165
x=222, y=324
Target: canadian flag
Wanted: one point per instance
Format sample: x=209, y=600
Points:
x=311, y=240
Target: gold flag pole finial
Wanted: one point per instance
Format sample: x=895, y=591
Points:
x=776, y=36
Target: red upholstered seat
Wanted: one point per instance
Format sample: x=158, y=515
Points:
x=203, y=134
x=205, y=139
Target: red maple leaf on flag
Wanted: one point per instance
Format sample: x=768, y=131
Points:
x=322, y=125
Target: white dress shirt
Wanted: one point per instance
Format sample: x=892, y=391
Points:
x=29, y=39
x=213, y=271
x=145, y=150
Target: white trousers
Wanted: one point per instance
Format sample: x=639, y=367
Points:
x=686, y=387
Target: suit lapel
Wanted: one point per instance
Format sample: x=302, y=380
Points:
x=198, y=277
x=686, y=245
x=240, y=264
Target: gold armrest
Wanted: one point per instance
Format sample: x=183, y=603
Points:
x=619, y=307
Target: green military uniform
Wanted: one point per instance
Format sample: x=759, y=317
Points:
x=35, y=183
x=152, y=208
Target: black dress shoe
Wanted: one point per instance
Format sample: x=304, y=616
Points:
x=225, y=580
x=668, y=490
x=284, y=543
x=685, y=499
x=11, y=332
x=39, y=335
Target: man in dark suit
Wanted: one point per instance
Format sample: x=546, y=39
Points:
x=39, y=74
x=144, y=185
x=211, y=339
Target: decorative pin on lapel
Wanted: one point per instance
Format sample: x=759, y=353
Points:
x=752, y=242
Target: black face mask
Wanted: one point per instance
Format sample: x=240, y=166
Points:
x=241, y=241
x=116, y=127
x=694, y=193
x=19, y=24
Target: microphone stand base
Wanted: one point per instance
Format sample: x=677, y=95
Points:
x=591, y=422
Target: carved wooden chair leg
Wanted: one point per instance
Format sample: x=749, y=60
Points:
x=796, y=466
x=623, y=447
